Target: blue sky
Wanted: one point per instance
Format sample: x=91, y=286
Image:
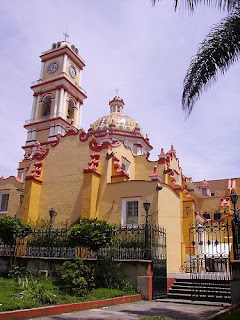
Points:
x=143, y=51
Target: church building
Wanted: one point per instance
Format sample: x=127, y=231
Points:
x=103, y=172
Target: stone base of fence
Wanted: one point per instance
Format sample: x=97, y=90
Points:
x=235, y=282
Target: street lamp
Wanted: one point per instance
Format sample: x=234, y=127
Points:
x=234, y=199
x=21, y=198
x=187, y=209
x=235, y=226
x=51, y=214
x=146, y=206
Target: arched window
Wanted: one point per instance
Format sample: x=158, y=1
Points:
x=71, y=107
x=46, y=105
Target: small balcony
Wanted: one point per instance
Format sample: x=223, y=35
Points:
x=48, y=117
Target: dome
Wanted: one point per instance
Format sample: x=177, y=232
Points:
x=116, y=122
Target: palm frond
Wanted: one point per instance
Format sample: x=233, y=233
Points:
x=230, y=5
x=219, y=50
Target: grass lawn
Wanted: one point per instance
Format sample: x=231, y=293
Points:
x=9, y=290
x=232, y=315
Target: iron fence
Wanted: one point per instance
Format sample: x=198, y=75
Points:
x=236, y=237
x=127, y=243
x=210, y=250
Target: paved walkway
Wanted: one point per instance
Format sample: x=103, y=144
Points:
x=136, y=310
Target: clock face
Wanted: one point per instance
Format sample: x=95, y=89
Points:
x=53, y=67
x=72, y=72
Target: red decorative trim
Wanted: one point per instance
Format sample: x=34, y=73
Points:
x=150, y=281
x=125, y=135
x=48, y=120
x=118, y=168
x=41, y=156
x=170, y=282
x=55, y=143
x=93, y=164
x=36, y=172
x=120, y=175
x=83, y=136
x=71, y=132
x=60, y=86
x=66, y=308
x=131, y=196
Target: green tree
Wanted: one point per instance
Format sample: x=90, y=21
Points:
x=91, y=233
x=218, y=51
x=11, y=227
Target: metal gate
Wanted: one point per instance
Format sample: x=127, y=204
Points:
x=210, y=251
x=159, y=262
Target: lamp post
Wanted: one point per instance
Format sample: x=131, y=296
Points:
x=51, y=214
x=234, y=199
x=235, y=225
x=146, y=205
x=21, y=198
x=187, y=209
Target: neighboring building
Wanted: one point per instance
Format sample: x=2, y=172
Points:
x=105, y=172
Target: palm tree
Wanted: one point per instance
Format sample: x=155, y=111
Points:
x=219, y=50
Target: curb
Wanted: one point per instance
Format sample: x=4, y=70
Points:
x=64, y=308
x=222, y=312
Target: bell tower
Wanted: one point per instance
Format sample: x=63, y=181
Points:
x=58, y=96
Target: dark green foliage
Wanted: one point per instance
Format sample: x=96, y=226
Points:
x=48, y=238
x=219, y=50
x=19, y=274
x=232, y=315
x=11, y=227
x=34, y=290
x=192, y=4
x=91, y=233
x=8, y=291
x=76, y=278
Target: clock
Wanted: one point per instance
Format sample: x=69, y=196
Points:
x=53, y=67
x=72, y=72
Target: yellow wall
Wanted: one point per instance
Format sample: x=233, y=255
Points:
x=110, y=206
x=14, y=188
x=63, y=178
x=169, y=216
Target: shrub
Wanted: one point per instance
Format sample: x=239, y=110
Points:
x=34, y=290
x=76, y=278
x=91, y=233
x=11, y=227
x=19, y=274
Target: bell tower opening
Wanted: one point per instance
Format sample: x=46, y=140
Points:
x=71, y=109
x=46, y=106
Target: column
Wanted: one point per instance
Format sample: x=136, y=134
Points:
x=80, y=116
x=76, y=115
x=64, y=112
x=33, y=107
x=42, y=69
x=36, y=108
x=55, y=103
x=64, y=63
x=59, y=113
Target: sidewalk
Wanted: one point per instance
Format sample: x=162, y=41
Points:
x=136, y=310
